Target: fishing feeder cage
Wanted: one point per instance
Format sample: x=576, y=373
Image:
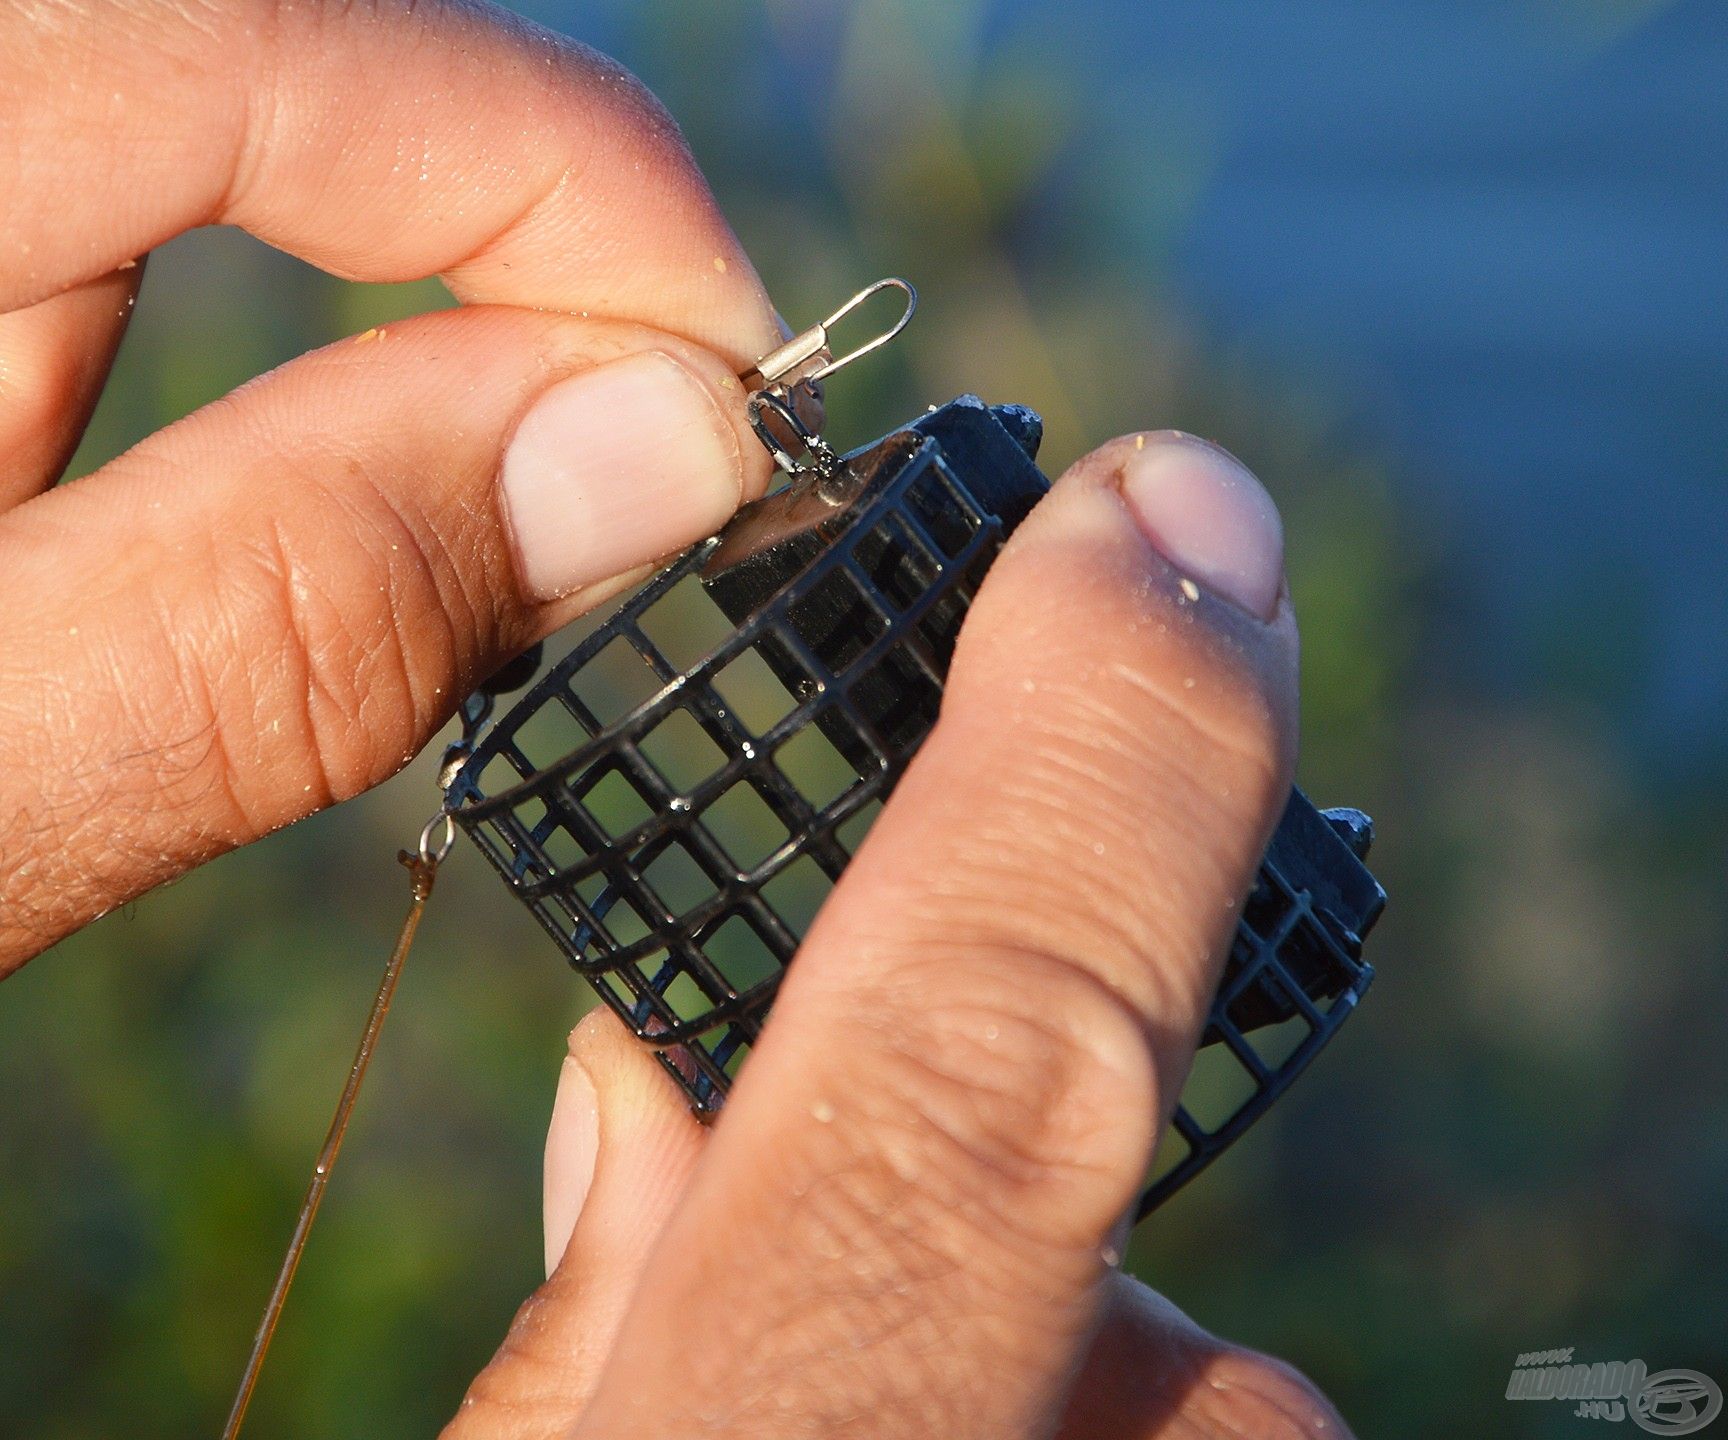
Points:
x=675, y=796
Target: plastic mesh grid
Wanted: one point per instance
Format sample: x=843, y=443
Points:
x=675, y=830
x=676, y=797
x=1292, y=978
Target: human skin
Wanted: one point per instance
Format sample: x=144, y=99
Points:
x=906, y=1222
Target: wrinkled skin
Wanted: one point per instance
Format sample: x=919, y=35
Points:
x=271, y=605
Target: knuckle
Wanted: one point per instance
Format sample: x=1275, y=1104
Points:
x=1252, y=1394
x=1105, y=845
x=349, y=616
x=1132, y=785
x=1013, y=1091
x=628, y=101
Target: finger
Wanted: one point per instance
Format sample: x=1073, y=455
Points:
x=381, y=142
x=273, y=604
x=616, y=1102
x=956, y=1098
x=1153, y=1374
x=54, y=360
x=619, y=1155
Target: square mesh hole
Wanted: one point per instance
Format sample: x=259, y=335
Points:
x=940, y=628
x=499, y=773
x=614, y=989
x=1275, y=1044
x=818, y=771
x=616, y=804
x=747, y=829
x=1218, y=1086
x=837, y=621
x=1263, y=1006
x=741, y=956
x=530, y=814
x=563, y=849
x=948, y=518
x=678, y=881
x=685, y=998
x=1266, y=913
x=682, y=751
x=623, y=922
x=797, y=892
x=898, y=698
x=615, y=682
x=550, y=734
x=752, y=692
x=685, y=625
x=897, y=566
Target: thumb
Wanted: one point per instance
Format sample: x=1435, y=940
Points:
x=619, y=1155
x=272, y=604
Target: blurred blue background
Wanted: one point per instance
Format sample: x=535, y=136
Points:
x=1450, y=275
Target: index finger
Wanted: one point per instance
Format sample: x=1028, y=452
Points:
x=381, y=142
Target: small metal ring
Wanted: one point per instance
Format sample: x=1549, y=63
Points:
x=446, y=842
x=822, y=457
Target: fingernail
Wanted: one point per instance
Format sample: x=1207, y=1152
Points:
x=1209, y=517
x=613, y=467
x=572, y=1147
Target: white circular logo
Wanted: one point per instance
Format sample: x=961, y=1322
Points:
x=1676, y=1402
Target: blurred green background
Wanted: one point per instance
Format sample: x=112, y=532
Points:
x=1450, y=278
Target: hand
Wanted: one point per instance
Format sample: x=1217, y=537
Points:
x=903, y=1222
x=272, y=605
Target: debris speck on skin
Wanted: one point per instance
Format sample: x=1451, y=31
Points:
x=127, y=265
x=1190, y=590
x=1187, y=682
x=1111, y=1256
x=375, y=333
x=822, y=1112
x=1139, y=442
x=720, y=263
